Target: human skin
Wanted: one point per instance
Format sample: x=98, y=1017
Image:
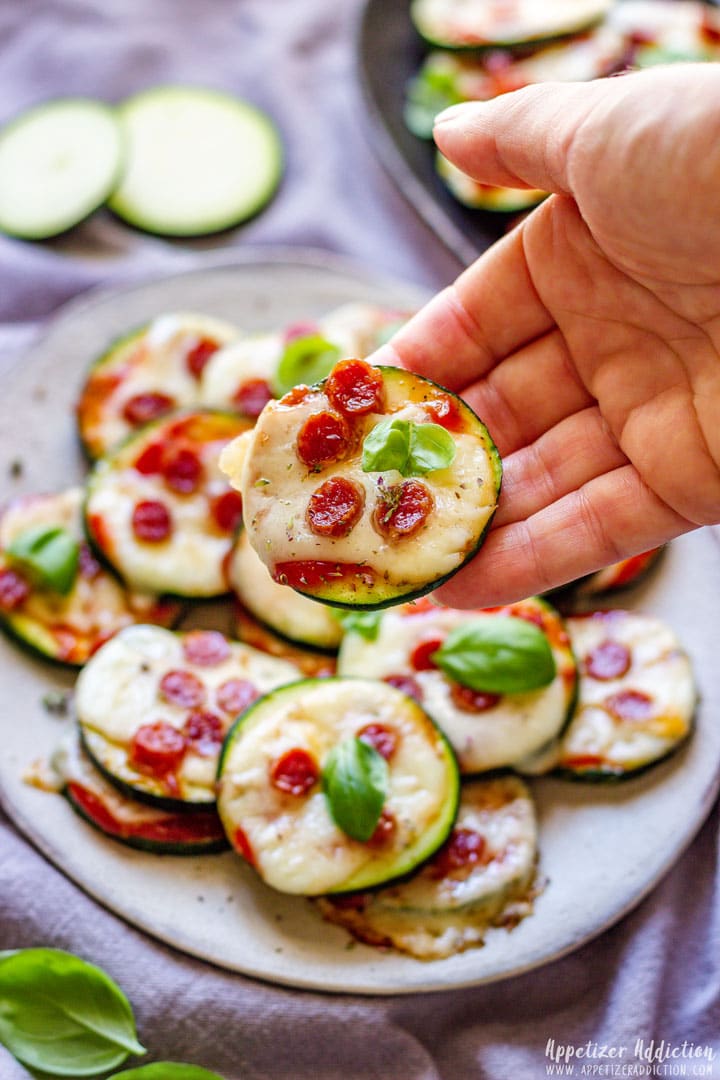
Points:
x=587, y=339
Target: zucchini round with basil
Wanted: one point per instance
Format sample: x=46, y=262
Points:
x=472, y=24
x=155, y=706
x=130, y=822
x=477, y=196
x=55, y=597
x=330, y=785
x=475, y=673
x=311, y=662
x=636, y=700
x=159, y=510
x=144, y=375
x=665, y=32
x=482, y=877
x=371, y=487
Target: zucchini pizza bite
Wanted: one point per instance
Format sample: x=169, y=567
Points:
x=666, y=32
x=500, y=683
x=154, y=707
x=373, y=486
x=329, y=785
x=621, y=575
x=463, y=24
x=483, y=876
x=490, y=197
x=146, y=374
x=159, y=510
x=55, y=597
x=313, y=663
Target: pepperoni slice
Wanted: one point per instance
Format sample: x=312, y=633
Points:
x=381, y=738
x=151, y=522
x=14, y=590
x=384, y=830
x=313, y=573
x=608, y=660
x=226, y=510
x=403, y=509
x=183, y=472
x=470, y=700
x=296, y=395
x=142, y=408
x=323, y=439
x=335, y=507
x=88, y=565
x=445, y=410
x=465, y=848
x=243, y=846
x=206, y=648
x=150, y=461
x=295, y=772
x=204, y=732
x=421, y=656
x=252, y=396
x=630, y=705
x=159, y=748
x=235, y=695
x=355, y=388
x=407, y=684
x=183, y=688
x=583, y=761
x=199, y=355
x=631, y=568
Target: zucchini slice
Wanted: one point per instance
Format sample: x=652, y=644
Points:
x=665, y=32
x=154, y=708
x=311, y=662
x=365, y=539
x=198, y=161
x=288, y=613
x=59, y=162
x=487, y=731
x=145, y=374
x=483, y=876
x=477, y=196
x=132, y=823
x=637, y=696
x=285, y=829
x=159, y=510
x=67, y=628
x=471, y=24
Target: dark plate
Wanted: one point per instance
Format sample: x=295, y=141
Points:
x=389, y=52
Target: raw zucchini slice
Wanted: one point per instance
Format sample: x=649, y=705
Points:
x=665, y=32
x=70, y=627
x=636, y=698
x=159, y=510
x=463, y=24
x=356, y=538
x=477, y=196
x=146, y=374
x=58, y=163
x=198, y=161
x=154, y=708
x=289, y=613
x=274, y=768
x=483, y=876
x=311, y=662
x=133, y=823
x=487, y=731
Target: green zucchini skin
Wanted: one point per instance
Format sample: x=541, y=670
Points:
x=136, y=794
x=106, y=359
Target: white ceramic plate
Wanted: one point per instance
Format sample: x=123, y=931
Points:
x=602, y=848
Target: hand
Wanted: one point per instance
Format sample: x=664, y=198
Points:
x=587, y=339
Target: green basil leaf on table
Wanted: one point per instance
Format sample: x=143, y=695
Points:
x=412, y=449
x=50, y=555
x=166, y=1070
x=64, y=1016
x=498, y=654
x=364, y=623
x=355, y=786
x=305, y=360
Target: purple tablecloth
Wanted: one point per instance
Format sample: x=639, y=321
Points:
x=657, y=974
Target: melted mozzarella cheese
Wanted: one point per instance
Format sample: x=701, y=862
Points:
x=476, y=22
x=667, y=28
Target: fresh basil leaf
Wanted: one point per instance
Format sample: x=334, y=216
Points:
x=428, y=93
x=364, y=623
x=431, y=448
x=498, y=654
x=166, y=1070
x=412, y=449
x=62, y=1015
x=355, y=786
x=50, y=554
x=305, y=360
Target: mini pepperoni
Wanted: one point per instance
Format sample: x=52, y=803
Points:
x=355, y=388
x=421, y=656
x=235, y=695
x=14, y=590
x=445, y=410
x=381, y=738
x=630, y=705
x=407, y=684
x=150, y=461
x=313, y=573
x=296, y=395
x=183, y=688
x=384, y=830
x=226, y=510
x=199, y=355
x=583, y=761
x=183, y=472
x=403, y=509
x=206, y=648
x=464, y=848
x=472, y=700
x=151, y=522
x=323, y=438
x=295, y=772
x=608, y=660
x=204, y=732
x=88, y=565
x=629, y=569
x=335, y=507
x=243, y=847
x=158, y=747
x=142, y=408
x=252, y=396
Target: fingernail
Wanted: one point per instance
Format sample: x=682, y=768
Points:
x=451, y=113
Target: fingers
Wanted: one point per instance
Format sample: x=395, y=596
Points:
x=609, y=518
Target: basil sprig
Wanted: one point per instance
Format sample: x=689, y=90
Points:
x=305, y=360
x=413, y=449
x=62, y=1015
x=49, y=554
x=498, y=654
x=355, y=785
x=166, y=1070
x=364, y=623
